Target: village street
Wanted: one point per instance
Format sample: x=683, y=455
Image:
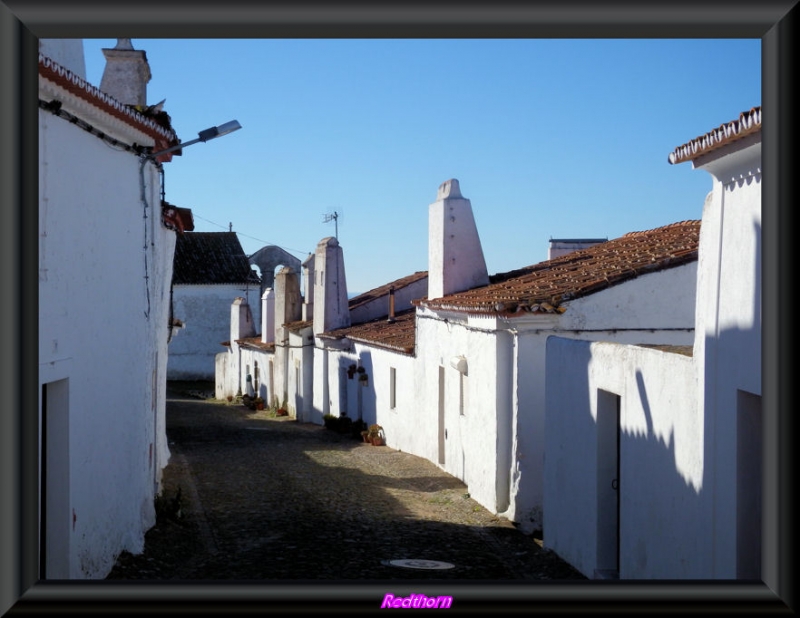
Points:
x=250, y=496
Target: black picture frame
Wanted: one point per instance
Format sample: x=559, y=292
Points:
x=22, y=22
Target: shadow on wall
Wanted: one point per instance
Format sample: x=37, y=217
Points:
x=357, y=388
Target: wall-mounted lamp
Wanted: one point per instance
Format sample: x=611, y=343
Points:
x=203, y=136
x=459, y=363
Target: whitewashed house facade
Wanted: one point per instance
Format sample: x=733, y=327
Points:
x=285, y=360
x=106, y=245
x=481, y=353
x=653, y=454
x=210, y=271
x=460, y=380
x=450, y=361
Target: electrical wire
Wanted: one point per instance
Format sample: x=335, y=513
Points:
x=227, y=227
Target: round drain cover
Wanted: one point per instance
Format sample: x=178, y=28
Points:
x=420, y=564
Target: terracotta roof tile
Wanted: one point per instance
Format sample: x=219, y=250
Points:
x=398, y=336
x=747, y=123
x=544, y=286
x=299, y=325
x=254, y=343
x=384, y=289
x=211, y=258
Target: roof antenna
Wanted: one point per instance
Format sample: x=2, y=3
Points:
x=335, y=218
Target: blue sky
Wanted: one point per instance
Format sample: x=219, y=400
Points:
x=562, y=138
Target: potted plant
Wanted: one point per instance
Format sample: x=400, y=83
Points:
x=375, y=435
x=283, y=409
x=331, y=421
x=259, y=403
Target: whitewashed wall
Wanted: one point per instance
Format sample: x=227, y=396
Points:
x=226, y=379
x=66, y=52
x=637, y=311
x=255, y=363
x=234, y=364
x=380, y=306
x=662, y=300
x=664, y=480
x=497, y=446
x=331, y=393
x=476, y=405
x=102, y=333
x=728, y=346
x=690, y=448
x=371, y=401
x=205, y=311
x=275, y=384
x=301, y=371
x=321, y=403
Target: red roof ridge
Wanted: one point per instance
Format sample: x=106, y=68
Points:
x=52, y=71
x=747, y=123
x=687, y=222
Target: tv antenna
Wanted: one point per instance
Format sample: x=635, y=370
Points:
x=335, y=218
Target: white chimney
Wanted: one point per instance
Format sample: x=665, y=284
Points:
x=126, y=74
x=455, y=255
x=242, y=325
x=331, y=307
x=288, y=302
x=268, y=316
x=564, y=246
x=308, y=287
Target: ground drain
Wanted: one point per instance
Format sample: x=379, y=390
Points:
x=419, y=564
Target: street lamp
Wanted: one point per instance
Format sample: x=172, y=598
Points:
x=203, y=136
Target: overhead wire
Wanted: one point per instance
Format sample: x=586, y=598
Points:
x=226, y=227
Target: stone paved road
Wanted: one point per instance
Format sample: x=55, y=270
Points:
x=270, y=500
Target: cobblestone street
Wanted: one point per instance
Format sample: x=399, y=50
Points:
x=253, y=497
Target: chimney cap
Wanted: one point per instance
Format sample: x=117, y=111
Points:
x=449, y=188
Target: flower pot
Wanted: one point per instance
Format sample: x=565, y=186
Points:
x=377, y=441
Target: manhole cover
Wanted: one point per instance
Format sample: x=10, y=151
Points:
x=419, y=564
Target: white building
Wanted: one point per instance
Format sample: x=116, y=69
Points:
x=210, y=271
x=653, y=454
x=480, y=354
x=280, y=357
x=105, y=262
x=451, y=361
